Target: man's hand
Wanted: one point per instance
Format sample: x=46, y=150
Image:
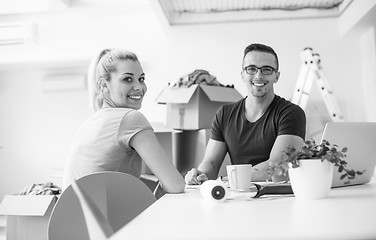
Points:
x=195, y=177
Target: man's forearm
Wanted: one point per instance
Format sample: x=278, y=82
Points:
x=260, y=172
x=209, y=169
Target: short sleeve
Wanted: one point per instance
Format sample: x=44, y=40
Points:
x=216, y=127
x=293, y=122
x=132, y=123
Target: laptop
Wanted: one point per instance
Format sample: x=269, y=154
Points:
x=360, y=139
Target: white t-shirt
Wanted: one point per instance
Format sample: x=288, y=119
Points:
x=102, y=144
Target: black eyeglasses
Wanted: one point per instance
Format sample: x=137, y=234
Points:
x=265, y=70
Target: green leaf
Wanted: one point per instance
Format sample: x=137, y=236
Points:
x=351, y=173
x=343, y=176
x=359, y=172
x=342, y=162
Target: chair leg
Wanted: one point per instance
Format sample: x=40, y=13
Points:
x=154, y=186
x=158, y=191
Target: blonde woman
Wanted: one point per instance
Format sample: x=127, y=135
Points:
x=117, y=137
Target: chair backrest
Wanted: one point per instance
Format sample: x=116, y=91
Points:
x=119, y=196
x=97, y=224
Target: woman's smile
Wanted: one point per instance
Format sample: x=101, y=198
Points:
x=135, y=97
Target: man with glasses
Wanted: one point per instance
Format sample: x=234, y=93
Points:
x=256, y=129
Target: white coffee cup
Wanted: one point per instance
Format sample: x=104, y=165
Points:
x=239, y=176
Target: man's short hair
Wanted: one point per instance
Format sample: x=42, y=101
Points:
x=261, y=48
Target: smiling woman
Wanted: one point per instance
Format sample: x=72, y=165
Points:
x=112, y=76
x=124, y=87
x=117, y=137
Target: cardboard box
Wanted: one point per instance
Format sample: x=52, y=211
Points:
x=27, y=216
x=188, y=150
x=194, y=107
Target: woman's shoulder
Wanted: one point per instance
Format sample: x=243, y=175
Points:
x=135, y=117
x=121, y=114
x=133, y=113
x=118, y=112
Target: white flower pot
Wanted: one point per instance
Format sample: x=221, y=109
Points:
x=312, y=179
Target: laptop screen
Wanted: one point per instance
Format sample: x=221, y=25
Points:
x=360, y=139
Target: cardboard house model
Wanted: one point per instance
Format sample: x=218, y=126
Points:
x=194, y=107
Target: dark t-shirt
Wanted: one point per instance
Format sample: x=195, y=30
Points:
x=251, y=142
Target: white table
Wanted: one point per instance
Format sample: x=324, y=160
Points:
x=348, y=213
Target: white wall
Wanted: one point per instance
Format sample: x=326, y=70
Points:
x=36, y=127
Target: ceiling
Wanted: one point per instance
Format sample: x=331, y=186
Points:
x=178, y=12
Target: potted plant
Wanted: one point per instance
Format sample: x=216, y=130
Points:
x=310, y=169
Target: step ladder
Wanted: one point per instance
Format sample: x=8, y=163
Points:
x=310, y=71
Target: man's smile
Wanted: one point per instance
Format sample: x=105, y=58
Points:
x=258, y=84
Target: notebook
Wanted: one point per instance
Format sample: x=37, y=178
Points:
x=360, y=139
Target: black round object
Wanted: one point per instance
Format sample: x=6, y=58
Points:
x=218, y=192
